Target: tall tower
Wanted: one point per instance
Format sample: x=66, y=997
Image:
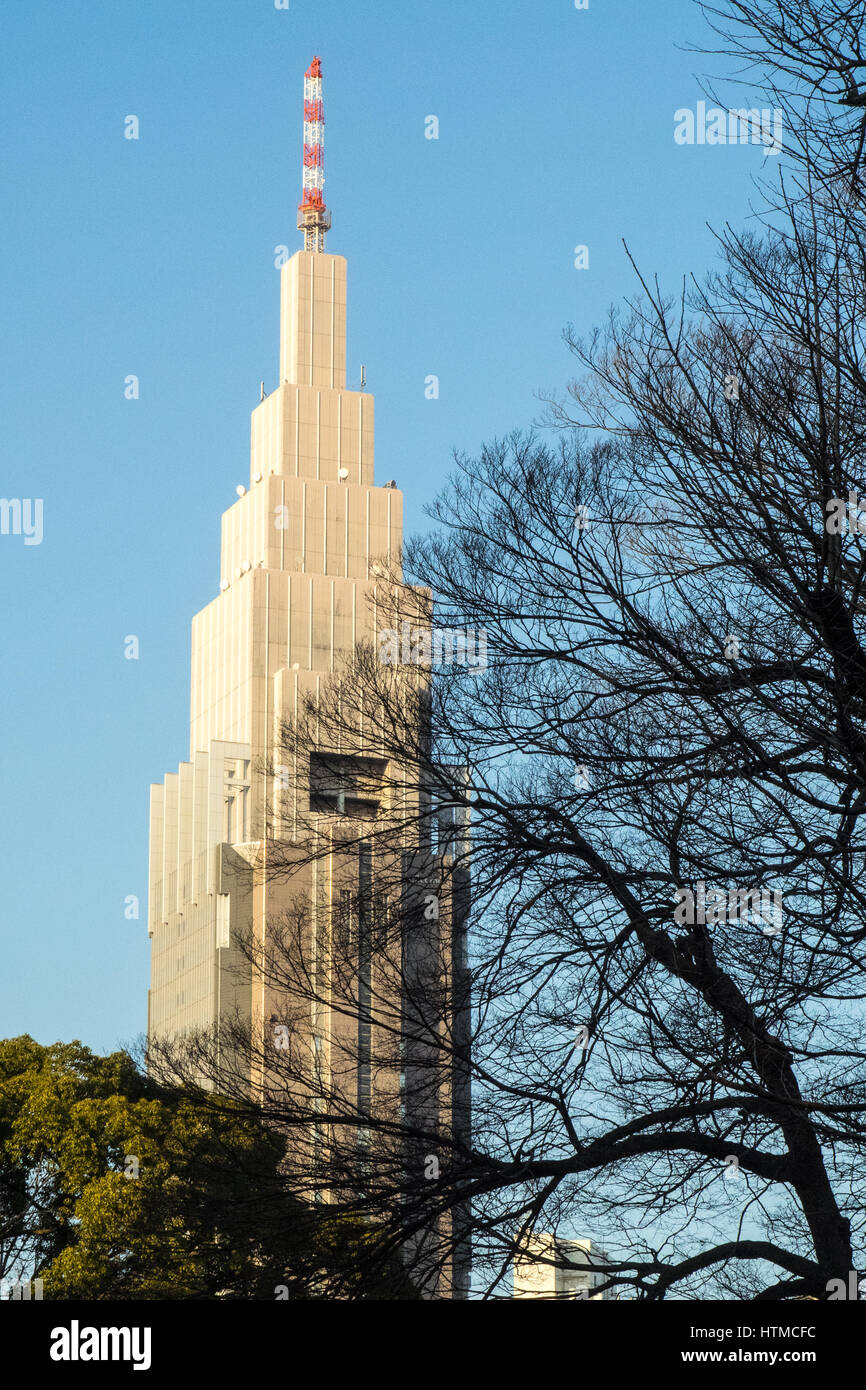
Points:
x=300, y=552
x=304, y=554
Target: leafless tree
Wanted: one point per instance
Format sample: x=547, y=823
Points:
x=806, y=57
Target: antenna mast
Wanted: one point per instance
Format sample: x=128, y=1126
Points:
x=313, y=217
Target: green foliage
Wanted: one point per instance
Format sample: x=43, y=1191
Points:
x=114, y=1187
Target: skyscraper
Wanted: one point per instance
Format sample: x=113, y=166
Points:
x=300, y=552
x=305, y=551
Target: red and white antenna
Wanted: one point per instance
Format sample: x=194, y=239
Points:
x=313, y=217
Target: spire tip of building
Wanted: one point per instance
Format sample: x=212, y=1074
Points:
x=313, y=217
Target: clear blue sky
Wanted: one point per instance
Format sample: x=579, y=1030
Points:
x=156, y=257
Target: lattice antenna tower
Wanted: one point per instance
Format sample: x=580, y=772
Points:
x=313, y=217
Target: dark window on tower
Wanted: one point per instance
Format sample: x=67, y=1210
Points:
x=343, y=785
x=372, y=912
x=345, y=921
x=365, y=904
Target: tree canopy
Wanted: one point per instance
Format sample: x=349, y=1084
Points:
x=114, y=1187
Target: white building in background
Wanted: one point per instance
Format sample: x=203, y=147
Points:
x=557, y=1268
